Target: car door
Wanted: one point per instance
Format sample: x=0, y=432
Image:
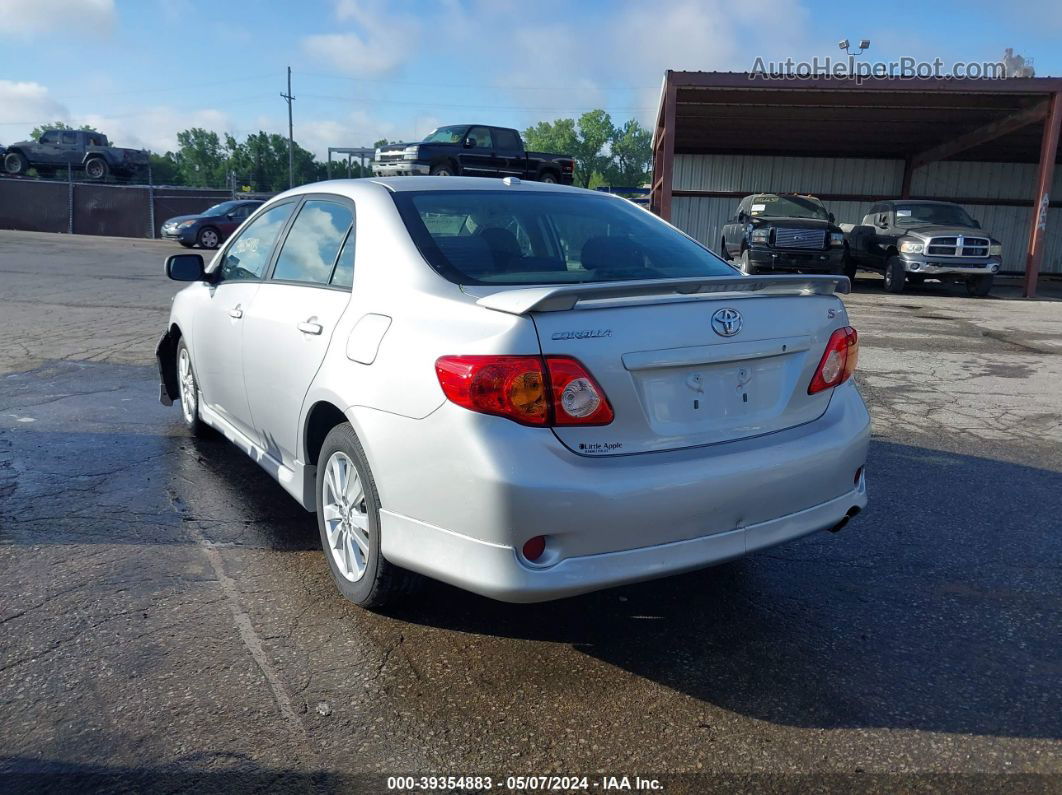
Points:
x=292, y=317
x=47, y=151
x=509, y=155
x=231, y=221
x=477, y=154
x=219, y=331
x=69, y=149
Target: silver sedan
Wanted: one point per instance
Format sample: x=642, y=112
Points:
x=525, y=390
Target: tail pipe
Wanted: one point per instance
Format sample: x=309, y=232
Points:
x=852, y=512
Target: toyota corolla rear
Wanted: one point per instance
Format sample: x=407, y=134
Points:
x=653, y=412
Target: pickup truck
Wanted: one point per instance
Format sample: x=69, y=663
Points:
x=783, y=232
x=910, y=241
x=85, y=150
x=474, y=150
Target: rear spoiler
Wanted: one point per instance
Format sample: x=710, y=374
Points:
x=557, y=298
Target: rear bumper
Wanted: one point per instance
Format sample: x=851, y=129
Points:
x=480, y=486
x=400, y=168
x=831, y=260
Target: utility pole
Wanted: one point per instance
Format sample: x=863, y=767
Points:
x=291, y=135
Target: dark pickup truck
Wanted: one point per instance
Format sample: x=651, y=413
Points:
x=910, y=241
x=474, y=150
x=84, y=150
x=783, y=232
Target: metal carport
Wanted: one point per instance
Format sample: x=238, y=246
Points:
x=986, y=144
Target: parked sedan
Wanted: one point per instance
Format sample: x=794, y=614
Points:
x=525, y=390
x=210, y=228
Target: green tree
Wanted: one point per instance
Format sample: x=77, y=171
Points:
x=39, y=130
x=632, y=150
x=165, y=170
x=201, y=158
x=595, y=132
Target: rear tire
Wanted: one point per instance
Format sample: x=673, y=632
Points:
x=548, y=177
x=979, y=286
x=723, y=252
x=96, y=168
x=348, y=519
x=849, y=268
x=895, y=275
x=189, y=392
x=15, y=164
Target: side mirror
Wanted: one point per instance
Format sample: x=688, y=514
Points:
x=833, y=220
x=742, y=218
x=185, y=267
x=977, y=224
x=883, y=224
x=469, y=143
x=231, y=216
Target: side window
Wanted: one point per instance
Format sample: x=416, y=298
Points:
x=310, y=250
x=479, y=137
x=507, y=140
x=50, y=138
x=248, y=255
x=69, y=138
x=343, y=276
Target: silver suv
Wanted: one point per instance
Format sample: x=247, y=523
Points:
x=525, y=390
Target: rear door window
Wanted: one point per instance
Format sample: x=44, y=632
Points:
x=507, y=140
x=309, y=252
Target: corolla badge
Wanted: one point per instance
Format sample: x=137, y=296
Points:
x=726, y=322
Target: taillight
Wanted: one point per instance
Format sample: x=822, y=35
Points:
x=838, y=362
x=577, y=398
x=527, y=389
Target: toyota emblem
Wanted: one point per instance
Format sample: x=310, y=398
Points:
x=726, y=322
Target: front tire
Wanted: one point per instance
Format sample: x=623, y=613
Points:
x=208, y=237
x=442, y=170
x=189, y=392
x=15, y=164
x=348, y=519
x=979, y=286
x=745, y=263
x=96, y=168
x=895, y=275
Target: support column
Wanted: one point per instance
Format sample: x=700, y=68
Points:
x=664, y=156
x=905, y=188
x=1042, y=199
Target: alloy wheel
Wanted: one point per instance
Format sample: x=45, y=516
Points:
x=346, y=516
x=189, y=393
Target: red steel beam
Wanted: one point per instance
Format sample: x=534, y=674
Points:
x=982, y=135
x=666, y=146
x=1042, y=198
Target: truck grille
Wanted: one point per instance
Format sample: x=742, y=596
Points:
x=799, y=238
x=957, y=246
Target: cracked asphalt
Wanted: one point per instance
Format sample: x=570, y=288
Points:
x=167, y=619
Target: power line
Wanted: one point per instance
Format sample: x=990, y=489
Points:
x=389, y=81
x=371, y=100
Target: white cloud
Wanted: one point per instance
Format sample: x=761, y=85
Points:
x=381, y=42
x=25, y=105
x=27, y=17
x=156, y=128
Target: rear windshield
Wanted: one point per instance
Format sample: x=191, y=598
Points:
x=525, y=237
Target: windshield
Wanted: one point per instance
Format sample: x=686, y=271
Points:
x=222, y=209
x=530, y=237
x=788, y=207
x=936, y=214
x=447, y=135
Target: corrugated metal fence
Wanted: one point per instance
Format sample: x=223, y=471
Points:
x=703, y=216
x=89, y=208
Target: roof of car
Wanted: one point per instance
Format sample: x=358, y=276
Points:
x=350, y=187
x=915, y=201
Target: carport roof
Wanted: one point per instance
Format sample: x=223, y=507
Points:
x=733, y=113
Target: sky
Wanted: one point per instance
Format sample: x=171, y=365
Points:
x=142, y=70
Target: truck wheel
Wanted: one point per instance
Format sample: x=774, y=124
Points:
x=96, y=168
x=548, y=177
x=348, y=518
x=15, y=163
x=745, y=264
x=723, y=252
x=849, y=266
x=208, y=237
x=895, y=275
x=442, y=170
x=979, y=285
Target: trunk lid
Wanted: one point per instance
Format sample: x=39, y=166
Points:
x=689, y=370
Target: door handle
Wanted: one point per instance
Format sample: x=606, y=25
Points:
x=306, y=327
x=236, y=312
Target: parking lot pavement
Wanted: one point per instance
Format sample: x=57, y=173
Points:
x=165, y=609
